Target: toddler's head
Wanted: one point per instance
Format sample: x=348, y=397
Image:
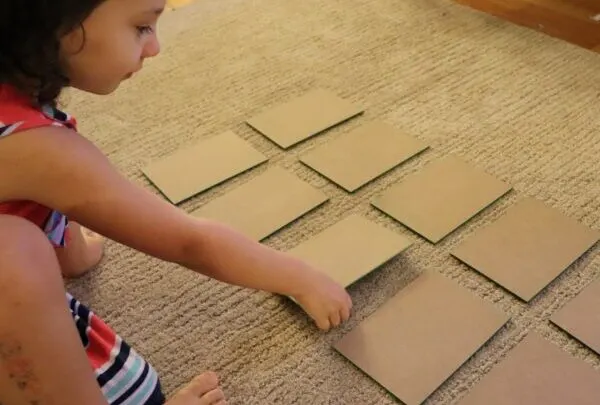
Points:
x=92, y=45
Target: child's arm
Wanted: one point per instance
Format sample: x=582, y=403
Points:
x=65, y=171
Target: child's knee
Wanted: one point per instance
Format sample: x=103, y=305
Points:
x=24, y=247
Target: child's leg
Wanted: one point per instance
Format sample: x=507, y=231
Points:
x=42, y=360
x=83, y=251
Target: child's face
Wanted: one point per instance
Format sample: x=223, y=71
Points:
x=117, y=37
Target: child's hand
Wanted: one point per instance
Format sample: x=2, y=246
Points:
x=325, y=301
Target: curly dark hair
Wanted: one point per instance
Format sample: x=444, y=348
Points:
x=30, y=32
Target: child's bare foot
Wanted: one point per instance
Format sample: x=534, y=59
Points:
x=83, y=252
x=94, y=245
x=202, y=390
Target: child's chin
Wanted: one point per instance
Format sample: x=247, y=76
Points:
x=103, y=91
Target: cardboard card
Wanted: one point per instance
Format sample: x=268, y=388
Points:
x=441, y=197
x=527, y=248
x=351, y=248
x=420, y=337
x=303, y=117
x=537, y=372
x=356, y=158
x=265, y=204
x=199, y=167
x=581, y=317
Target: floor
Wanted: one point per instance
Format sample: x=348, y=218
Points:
x=178, y=3
x=576, y=21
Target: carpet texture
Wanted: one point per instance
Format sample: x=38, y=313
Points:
x=516, y=103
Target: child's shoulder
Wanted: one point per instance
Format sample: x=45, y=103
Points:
x=17, y=114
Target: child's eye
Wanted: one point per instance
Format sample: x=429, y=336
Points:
x=145, y=29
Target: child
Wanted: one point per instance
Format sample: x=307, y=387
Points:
x=53, y=183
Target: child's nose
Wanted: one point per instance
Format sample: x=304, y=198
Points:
x=152, y=48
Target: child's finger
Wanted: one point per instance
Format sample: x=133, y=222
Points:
x=345, y=314
x=323, y=323
x=334, y=318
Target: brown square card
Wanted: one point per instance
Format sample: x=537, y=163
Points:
x=303, y=117
x=527, y=248
x=420, y=337
x=199, y=167
x=356, y=158
x=441, y=197
x=351, y=248
x=264, y=204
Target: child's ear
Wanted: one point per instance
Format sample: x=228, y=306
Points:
x=73, y=41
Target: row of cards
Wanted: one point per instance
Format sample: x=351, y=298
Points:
x=523, y=251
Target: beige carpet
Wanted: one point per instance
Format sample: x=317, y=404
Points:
x=518, y=104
